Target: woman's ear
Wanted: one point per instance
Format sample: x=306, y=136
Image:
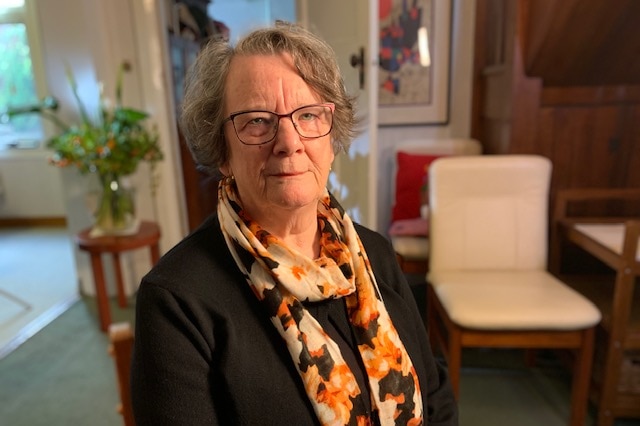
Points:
x=226, y=170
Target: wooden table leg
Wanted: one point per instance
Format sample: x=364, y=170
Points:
x=122, y=299
x=155, y=254
x=101, y=291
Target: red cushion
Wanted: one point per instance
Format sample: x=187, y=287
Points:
x=410, y=176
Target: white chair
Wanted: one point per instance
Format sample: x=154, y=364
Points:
x=488, y=279
x=413, y=250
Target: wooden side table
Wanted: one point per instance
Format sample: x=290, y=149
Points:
x=147, y=236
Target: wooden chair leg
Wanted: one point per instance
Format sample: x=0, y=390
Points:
x=120, y=348
x=582, y=379
x=455, y=360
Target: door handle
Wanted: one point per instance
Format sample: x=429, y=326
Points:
x=357, y=61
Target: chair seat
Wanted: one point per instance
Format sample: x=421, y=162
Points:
x=411, y=247
x=512, y=300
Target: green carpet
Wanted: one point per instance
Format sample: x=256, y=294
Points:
x=63, y=375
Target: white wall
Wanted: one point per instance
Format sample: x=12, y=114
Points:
x=29, y=186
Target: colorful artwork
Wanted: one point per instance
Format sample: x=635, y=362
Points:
x=403, y=80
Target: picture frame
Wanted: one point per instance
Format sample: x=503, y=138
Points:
x=411, y=92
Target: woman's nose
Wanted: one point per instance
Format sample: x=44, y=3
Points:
x=287, y=138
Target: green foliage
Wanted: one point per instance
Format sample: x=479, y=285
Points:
x=114, y=145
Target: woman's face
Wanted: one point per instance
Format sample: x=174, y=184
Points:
x=289, y=173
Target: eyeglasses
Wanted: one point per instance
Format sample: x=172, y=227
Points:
x=261, y=127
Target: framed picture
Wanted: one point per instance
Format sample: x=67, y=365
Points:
x=414, y=61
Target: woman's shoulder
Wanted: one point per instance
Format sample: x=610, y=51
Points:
x=197, y=246
x=200, y=257
x=372, y=240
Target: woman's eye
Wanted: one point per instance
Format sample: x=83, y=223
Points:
x=258, y=120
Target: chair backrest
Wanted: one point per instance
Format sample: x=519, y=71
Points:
x=489, y=212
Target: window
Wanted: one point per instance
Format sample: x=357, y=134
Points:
x=17, y=82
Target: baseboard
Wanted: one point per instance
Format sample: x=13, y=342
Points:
x=33, y=222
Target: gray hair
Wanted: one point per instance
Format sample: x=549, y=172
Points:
x=202, y=107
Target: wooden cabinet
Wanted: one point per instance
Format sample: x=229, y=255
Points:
x=185, y=39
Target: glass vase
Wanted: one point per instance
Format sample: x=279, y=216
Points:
x=115, y=212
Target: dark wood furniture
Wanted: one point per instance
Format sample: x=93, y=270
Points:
x=556, y=78
x=413, y=266
x=613, y=240
x=120, y=348
x=147, y=236
x=185, y=41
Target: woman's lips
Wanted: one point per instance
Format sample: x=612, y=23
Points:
x=287, y=174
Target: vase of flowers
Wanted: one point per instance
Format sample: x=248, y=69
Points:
x=111, y=146
x=115, y=212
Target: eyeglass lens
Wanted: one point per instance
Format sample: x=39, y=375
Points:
x=258, y=127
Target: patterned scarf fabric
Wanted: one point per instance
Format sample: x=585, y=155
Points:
x=281, y=278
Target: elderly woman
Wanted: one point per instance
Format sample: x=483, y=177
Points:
x=279, y=309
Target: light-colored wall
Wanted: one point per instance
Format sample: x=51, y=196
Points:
x=28, y=187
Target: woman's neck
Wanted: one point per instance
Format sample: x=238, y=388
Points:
x=298, y=229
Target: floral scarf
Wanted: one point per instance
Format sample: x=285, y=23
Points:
x=281, y=278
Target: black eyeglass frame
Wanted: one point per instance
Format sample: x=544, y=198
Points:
x=289, y=115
